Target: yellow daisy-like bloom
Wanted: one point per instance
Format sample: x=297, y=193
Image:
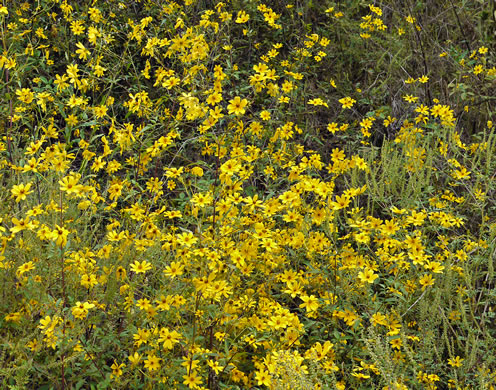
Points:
x=25, y=95
x=456, y=361
x=70, y=184
x=59, y=235
x=242, y=17
x=237, y=106
x=347, y=102
x=21, y=191
x=141, y=268
x=80, y=310
x=263, y=378
x=310, y=303
x=25, y=268
x=152, y=363
x=367, y=276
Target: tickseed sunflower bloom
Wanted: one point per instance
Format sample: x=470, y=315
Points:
x=59, y=235
x=168, y=338
x=192, y=380
x=367, y=276
x=347, y=102
x=310, y=303
x=152, y=363
x=25, y=268
x=80, y=310
x=21, y=224
x=263, y=378
x=141, y=268
x=237, y=106
x=25, y=95
x=70, y=184
x=242, y=17
x=21, y=191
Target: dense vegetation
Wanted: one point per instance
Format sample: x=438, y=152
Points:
x=239, y=195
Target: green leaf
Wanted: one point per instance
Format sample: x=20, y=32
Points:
x=80, y=384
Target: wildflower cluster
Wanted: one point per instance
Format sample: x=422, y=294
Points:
x=205, y=197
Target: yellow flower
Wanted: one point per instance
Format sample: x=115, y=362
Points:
x=141, y=267
x=396, y=343
x=116, y=369
x=60, y=81
x=215, y=366
x=455, y=362
x=242, y=17
x=341, y=202
x=237, y=106
x=310, y=303
x=347, y=102
x=77, y=27
x=317, y=102
x=72, y=72
x=186, y=239
x=45, y=322
x=410, y=98
x=478, y=69
x=197, y=171
x=134, y=359
x=461, y=174
x=21, y=224
x=152, y=363
x=59, y=235
x=25, y=268
x=389, y=228
x=367, y=276
x=192, y=380
x=214, y=98
x=14, y=317
x=80, y=310
x=82, y=51
x=426, y=281
x=265, y=115
x=71, y=120
x=144, y=304
x=174, y=269
x=69, y=184
x=21, y=191
x=88, y=280
x=25, y=95
x=263, y=378
x=168, y=338
x=95, y=14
